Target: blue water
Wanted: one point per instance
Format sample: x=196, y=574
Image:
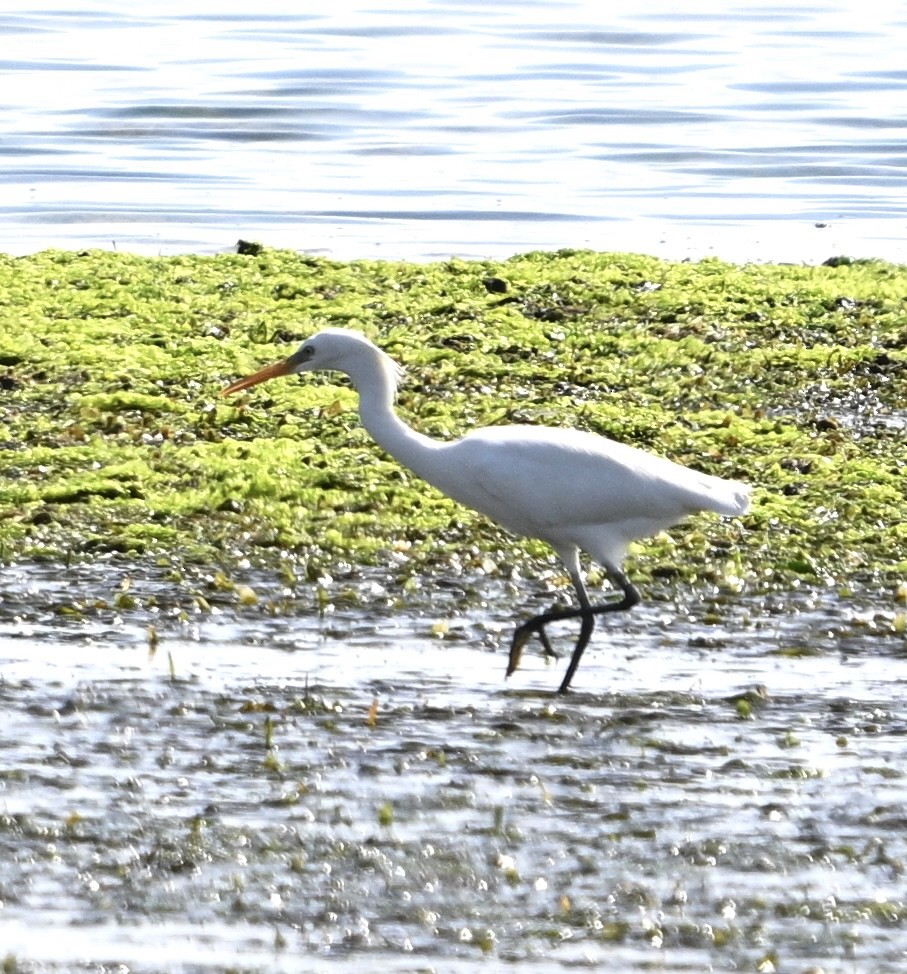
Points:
x=437, y=128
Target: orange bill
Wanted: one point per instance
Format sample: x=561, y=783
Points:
x=262, y=375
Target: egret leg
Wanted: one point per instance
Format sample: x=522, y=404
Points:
x=586, y=613
x=536, y=625
x=630, y=598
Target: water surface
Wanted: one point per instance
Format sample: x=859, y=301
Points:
x=420, y=130
x=725, y=788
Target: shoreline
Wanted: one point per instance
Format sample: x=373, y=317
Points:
x=424, y=240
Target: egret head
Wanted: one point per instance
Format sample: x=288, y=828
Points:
x=332, y=349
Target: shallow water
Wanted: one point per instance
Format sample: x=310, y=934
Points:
x=423, y=130
x=724, y=789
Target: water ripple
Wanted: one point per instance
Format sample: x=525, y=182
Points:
x=480, y=111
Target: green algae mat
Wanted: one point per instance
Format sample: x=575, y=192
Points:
x=116, y=439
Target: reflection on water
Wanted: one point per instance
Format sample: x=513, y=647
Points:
x=477, y=129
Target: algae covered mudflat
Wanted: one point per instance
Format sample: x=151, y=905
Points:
x=116, y=440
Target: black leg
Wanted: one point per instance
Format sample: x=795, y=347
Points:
x=631, y=597
x=586, y=612
x=536, y=626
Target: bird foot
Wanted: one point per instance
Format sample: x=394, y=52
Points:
x=521, y=636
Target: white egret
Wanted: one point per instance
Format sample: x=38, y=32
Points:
x=575, y=490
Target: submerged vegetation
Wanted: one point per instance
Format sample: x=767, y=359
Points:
x=116, y=439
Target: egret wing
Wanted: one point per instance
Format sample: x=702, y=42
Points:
x=536, y=478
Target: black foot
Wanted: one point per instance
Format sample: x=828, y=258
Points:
x=522, y=634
